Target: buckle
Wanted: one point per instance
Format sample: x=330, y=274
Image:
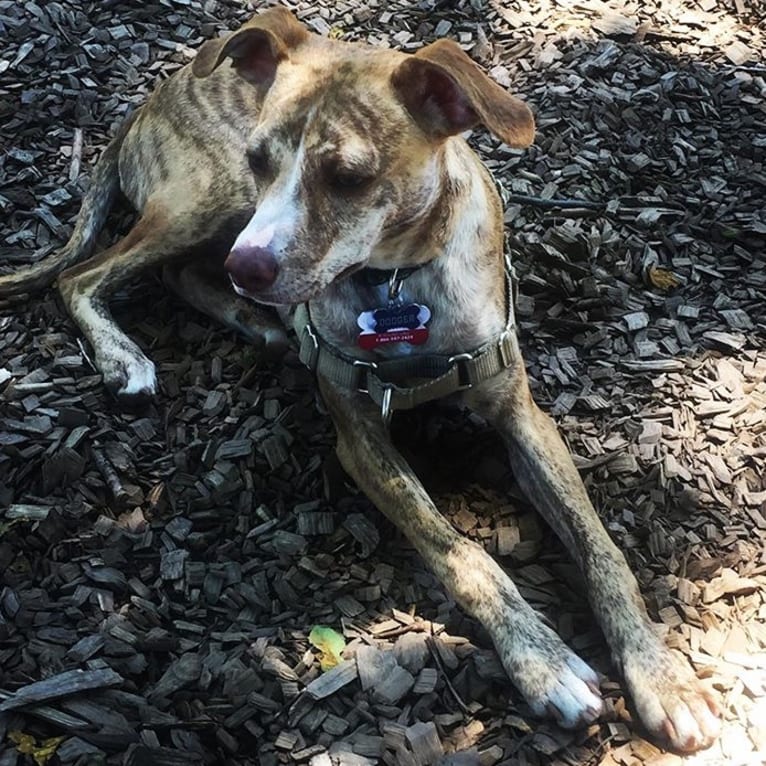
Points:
x=369, y=366
x=462, y=372
x=385, y=405
x=506, y=356
x=309, y=355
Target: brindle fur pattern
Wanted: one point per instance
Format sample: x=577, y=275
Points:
x=248, y=151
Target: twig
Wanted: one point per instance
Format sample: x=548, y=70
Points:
x=111, y=477
x=74, y=167
x=247, y=376
x=435, y=654
x=750, y=68
x=563, y=204
x=86, y=356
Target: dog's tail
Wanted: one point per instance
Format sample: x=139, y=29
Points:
x=96, y=204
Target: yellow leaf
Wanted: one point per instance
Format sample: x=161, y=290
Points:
x=27, y=745
x=24, y=742
x=336, y=33
x=47, y=748
x=330, y=644
x=6, y=525
x=663, y=279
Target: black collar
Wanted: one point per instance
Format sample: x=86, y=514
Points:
x=373, y=277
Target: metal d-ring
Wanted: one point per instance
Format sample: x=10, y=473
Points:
x=385, y=405
x=394, y=286
x=369, y=366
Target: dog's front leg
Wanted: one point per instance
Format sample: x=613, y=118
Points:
x=203, y=285
x=670, y=701
x=551, y=677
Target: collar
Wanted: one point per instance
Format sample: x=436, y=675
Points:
x=374, y=277
x=384, y=380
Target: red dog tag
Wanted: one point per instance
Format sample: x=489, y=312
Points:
x=371, y=340
x=395, y=323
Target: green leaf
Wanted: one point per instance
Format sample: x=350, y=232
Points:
x=330, y=644
x=28, y=745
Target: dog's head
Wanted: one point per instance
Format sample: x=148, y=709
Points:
x=347, y=151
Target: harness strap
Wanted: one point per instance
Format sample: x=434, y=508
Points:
x=435, y=375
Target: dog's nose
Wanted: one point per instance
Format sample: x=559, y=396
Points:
x=252, y=268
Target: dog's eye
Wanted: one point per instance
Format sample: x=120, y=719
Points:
x=258, y=160
x=349, y=179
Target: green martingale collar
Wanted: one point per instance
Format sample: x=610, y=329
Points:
x=386, y=380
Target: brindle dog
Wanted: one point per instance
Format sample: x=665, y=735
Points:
x=305, y=160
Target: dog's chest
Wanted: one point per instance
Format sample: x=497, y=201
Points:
x=461, y=315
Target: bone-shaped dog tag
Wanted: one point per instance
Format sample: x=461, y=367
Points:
x=395, y=323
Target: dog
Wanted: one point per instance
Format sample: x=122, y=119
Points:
x=331, y=181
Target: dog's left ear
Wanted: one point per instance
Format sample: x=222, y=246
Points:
x=446, y=93
x=256, y=48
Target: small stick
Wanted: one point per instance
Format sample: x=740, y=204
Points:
x=563, y=204
x=111, y=477
x=74, y=167
x=435, y=654
x=754, y=68
x=85, y=356
x=247, y=376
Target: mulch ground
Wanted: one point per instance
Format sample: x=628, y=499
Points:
x=160, y=571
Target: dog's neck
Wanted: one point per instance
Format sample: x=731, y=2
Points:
x=460, y=275
x=373, y=277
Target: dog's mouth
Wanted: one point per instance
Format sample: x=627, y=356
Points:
x=238, y=289
x=261, y=297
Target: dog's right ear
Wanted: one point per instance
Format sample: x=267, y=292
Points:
x=446, y=93
x=256, y=48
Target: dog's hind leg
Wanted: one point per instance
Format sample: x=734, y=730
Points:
x=549, y=675
x=204, y=285
x=86, y=287
x=673, y=705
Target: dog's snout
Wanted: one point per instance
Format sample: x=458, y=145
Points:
x=252, y=268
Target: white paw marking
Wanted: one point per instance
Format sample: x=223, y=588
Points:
x=275, y=339
x=572, y=701
x=555, y=682
x=672, y=703
x=141, y=378
x=126, y=371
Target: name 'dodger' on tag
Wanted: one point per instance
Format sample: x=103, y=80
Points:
x=397, y=323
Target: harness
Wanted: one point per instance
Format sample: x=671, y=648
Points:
x=387, y=381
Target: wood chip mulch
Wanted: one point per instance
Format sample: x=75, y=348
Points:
x=160, y=571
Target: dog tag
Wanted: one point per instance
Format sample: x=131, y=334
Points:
x=395, y=323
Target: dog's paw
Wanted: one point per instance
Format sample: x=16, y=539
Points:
x=130, y=376
x=553, y=679
x=262, y=330
x=673, y=705
x=572, y=699
x=272, y=342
